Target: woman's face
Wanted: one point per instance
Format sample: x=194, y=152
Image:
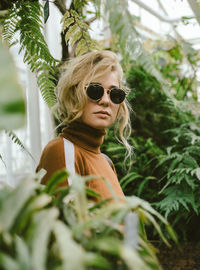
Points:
x=102, y=114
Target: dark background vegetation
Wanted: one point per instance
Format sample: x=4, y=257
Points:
x=166, y=140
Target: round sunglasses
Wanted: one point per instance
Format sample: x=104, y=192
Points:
x=95, y=92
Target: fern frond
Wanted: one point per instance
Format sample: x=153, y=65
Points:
x=25, y=17
x=77, y=33
x=9, y=26
x=16, y=140
x=193, y=137
x=183, y=170
x=196, y=172
x=173, y=164
x=164, y=158
x=1, y=158
x=189, y=161
x=175, y=198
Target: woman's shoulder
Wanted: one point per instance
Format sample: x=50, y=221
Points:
x=52, y=158
x=54, y=145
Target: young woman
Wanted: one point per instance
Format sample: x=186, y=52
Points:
x=91, y=98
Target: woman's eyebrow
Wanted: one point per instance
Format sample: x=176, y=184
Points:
x=113, y=86
x=110, y=87
x=96, y=83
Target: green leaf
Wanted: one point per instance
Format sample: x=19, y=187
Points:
x=34, y=205
x=197, y=172
x=67, y=23
x=38, y=236
x=92, y=193
x=7, y=262
x=46, y=11
x=97, y=260
x=75, y=38
x=99, y=204
x=55, y=180
x=80, y=200
x=14, y=202
x=108, y=244
x=72, y=30
x=132, y=260
x=12, y=106
x=16, y=140
x=129, y=178
x=71, y=253
x=23, y=254
x=143, y=183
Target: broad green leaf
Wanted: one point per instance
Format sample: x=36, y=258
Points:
x=97, y=260
x=147, y=252
x=12, y=106
x=110, y=245
x=80, y=200
x=92, y=193
x=132, y=259
x=15, y=201
x=23, y=254
x=156, y=226
x=38, y=236
x=34, y=205
x=55, y=180
x=7, y=262
x=71, y=253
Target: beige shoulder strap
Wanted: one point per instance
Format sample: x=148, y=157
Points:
x=69, y=158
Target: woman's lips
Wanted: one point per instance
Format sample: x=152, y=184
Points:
x=102, y=114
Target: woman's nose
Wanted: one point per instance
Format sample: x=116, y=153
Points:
x=105, y=98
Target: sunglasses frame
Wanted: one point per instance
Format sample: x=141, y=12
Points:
x=112, y=90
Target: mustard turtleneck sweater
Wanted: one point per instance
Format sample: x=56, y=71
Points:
x=88, y=158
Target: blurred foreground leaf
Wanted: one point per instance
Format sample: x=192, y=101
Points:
x=12, y=107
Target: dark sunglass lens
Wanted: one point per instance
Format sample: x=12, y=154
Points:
x=117, y=95
x=95, y=91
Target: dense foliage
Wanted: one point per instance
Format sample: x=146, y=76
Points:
x=48, y=228
x=166, y=138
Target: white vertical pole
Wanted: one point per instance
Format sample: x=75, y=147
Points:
x=47, y=129
x=33, y=113
x=52, y=30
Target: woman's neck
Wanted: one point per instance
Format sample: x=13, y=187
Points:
x=84, y=136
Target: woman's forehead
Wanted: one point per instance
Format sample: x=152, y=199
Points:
x=109, y=79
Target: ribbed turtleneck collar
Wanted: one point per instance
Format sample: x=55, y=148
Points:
x=84, y=136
